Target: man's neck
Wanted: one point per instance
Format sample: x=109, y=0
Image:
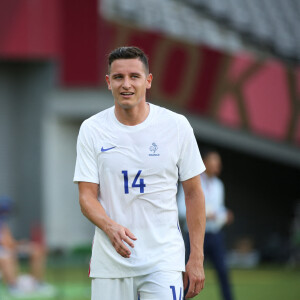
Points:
x=209, y=176
x=132, y=116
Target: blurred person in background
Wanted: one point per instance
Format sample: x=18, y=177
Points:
x=217, y=215
x=129, y=159
x=10, y=249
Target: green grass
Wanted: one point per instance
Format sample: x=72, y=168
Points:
x=263, y=283
x=71, y=282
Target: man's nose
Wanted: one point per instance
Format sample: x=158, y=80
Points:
x=126, y=83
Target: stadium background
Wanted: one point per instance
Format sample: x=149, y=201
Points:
x=232, y=67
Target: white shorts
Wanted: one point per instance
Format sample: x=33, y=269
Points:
x=155, y=286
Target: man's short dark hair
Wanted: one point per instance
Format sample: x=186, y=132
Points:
x=207, y=151
x=128, y=53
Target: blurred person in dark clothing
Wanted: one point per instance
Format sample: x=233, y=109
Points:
x=217, y=216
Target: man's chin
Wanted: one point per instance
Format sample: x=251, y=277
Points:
x=127, y=104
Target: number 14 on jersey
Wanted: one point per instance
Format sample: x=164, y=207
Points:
x=141, y=185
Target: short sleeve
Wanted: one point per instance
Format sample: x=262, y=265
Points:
x=190, y=163
x=86, y=168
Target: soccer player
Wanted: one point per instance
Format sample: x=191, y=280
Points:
x=129, y=160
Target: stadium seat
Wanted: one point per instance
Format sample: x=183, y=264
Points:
x=225, y=24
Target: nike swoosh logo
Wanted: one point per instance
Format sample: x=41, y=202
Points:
x=103, y=149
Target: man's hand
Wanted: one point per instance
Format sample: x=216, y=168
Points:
x=94, y=211
x=193, y=277
x=118, y=235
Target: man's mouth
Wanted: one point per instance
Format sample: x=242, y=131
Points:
x=127, y=94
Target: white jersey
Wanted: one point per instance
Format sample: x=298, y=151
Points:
x=137, y=168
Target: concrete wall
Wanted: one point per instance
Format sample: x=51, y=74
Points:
x=23, y=89
x=65, y=225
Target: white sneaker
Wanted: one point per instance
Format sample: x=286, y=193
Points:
x=45, y=289
x=28, y=287
x=17, y=292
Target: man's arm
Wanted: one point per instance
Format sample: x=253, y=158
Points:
x=195, y=215
x=93, y=210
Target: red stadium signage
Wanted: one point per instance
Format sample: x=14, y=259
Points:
x=261, y=97
x=240, y=91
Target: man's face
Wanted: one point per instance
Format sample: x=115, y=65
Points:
x=213, y=164
x=128, y=82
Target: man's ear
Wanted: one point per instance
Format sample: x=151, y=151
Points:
x=149, y=80
x=108, y=82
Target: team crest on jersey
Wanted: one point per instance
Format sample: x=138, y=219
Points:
x=153, y=148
